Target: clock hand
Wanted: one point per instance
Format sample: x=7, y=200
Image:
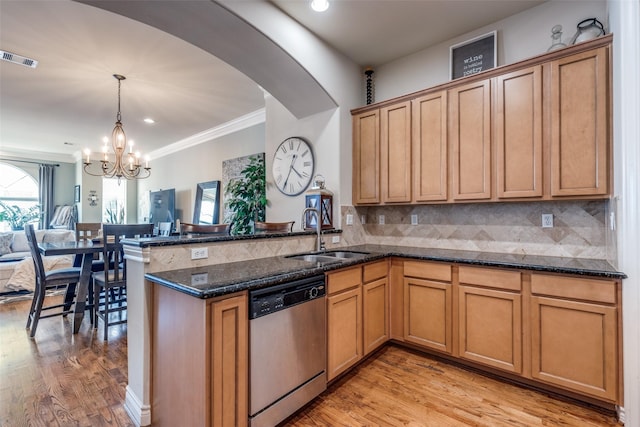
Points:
x=293, y=159
x=296, y=171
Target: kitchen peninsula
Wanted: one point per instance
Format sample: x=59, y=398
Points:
x=188, y=318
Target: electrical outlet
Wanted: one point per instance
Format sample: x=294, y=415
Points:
x=199, y=253
x=414, y=219
x=381, y=219
x=335, y=239
x=547, y=220
x=349, y=219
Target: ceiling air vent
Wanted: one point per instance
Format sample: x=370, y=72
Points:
x=17, y=59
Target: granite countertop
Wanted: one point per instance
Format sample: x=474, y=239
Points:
x=220, y=279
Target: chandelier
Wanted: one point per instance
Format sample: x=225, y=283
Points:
x=126, y=164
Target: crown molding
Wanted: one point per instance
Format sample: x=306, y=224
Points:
x=243, y=122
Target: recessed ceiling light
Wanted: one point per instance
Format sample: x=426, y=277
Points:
x=320, y=5
x=149, y=120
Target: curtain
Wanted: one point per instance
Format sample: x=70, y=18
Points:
x=45, y=194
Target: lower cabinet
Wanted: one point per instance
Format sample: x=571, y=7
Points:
x=375, y=306
x=199, y=360
x=357, y=314
x=490, y=317
x=428, y=305
x=344, y=320
x=575, y=341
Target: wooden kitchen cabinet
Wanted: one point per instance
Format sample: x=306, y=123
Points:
x=575, y=335
x=490, y=317
x=199, y=359
x=470, y=140
x=430, y=152
x=366, y=157
x=344, y=320
x=395, y=153
x=428, y=305
x=375, y=305
x=579, y=121
x=538, y=129
x=518, y=133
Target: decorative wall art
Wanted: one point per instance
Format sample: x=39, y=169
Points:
x=473, y=56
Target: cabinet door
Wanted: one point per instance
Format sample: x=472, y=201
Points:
x=490, y=327
x=395, y=141
x=366, y=157
x=429, y=141
x=579, y=124
x=518, y=133
x=574, y=346
x=470, y=140
x=375, y=310
x=427, y=313
x=229, y=362
x=344, y=335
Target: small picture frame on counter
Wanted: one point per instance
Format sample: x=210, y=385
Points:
x=473, y=56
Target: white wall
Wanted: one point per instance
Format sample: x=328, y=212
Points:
x=200, y=163
x=520, y=36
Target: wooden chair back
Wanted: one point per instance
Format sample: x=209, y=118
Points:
x=186, y=228
x=274, y=227
x=112, y=250
x=87, y=230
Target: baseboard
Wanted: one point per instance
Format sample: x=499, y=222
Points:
x=140, y=414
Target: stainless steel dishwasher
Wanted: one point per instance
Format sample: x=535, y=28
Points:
x=288, y=350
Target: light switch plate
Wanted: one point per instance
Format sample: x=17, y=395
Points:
x=414, y=219
x=349, y=219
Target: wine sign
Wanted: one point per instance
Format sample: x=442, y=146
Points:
x=473, y=56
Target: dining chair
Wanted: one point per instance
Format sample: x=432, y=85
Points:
x=164, y=228
x=186, y=228
x=112, y=282
x=273, y=227
x=68, y=277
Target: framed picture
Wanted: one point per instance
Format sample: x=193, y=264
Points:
x=76, y=194
x=473, y=56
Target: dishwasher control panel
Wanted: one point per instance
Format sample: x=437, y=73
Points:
x=270, y=300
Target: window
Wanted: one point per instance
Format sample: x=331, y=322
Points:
x=114, y=201
x=20, y=189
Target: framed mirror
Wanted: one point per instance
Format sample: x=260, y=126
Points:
x=207, y=206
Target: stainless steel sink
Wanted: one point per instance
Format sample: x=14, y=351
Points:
x=346, y=254
x=329, y=257
x=317, y=258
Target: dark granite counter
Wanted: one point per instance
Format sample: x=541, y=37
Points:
x=216, y=280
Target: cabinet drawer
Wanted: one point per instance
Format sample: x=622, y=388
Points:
x=340, y=280
x=374, y=271
x=603, y=291
x=490, y=277
x=428, y=270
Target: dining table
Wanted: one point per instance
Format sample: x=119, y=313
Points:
x=83, y=251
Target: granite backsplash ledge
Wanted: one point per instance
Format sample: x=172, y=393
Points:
x=579, y=228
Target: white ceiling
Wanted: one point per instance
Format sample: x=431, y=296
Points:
x=69, y=101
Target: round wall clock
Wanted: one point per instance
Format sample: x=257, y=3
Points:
x=293, y=165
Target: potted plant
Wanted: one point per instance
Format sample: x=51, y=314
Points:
x=246, y=197
x=18, y=217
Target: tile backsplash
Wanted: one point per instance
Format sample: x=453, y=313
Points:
x=580, y=228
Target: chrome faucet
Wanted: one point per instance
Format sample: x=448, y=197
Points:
x=319, y=243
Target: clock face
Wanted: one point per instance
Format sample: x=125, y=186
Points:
x=293, y=166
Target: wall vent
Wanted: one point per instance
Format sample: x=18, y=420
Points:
x=17, y=59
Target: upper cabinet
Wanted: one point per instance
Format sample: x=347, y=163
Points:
x=366, y=157
x=580, y=124
x=470, y=140
x=535, y=130
x=518, y=133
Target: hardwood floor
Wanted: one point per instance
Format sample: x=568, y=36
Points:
x=58, y=379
